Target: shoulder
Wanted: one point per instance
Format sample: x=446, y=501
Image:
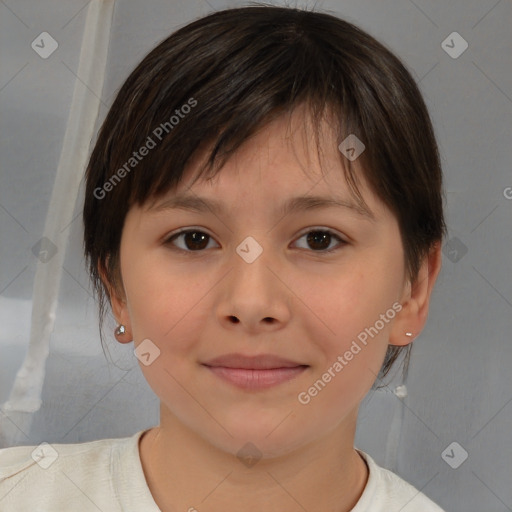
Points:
x=57, y=476
x=46, y=454
x=387, y=492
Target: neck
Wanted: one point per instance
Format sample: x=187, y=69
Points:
x=185, y=472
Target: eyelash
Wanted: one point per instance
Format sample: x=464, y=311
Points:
x=168, y=241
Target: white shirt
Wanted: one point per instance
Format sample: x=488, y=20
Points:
x=107, y=476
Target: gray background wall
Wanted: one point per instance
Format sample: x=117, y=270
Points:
x=459, y=386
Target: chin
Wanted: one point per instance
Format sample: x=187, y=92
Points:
x=266, y=439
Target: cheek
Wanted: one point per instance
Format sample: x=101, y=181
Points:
x=353, y=321
x=165, y=302
x=351, y=339
x=350, y=301
x=165, y=306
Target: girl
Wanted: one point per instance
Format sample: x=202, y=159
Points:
x=263, y=214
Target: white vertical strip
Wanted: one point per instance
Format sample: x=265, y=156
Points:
x=395, y=430
x=26, y=392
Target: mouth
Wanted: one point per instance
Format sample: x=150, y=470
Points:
x=254, y=372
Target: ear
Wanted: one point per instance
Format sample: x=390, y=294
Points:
x=117, y=301
x=416, y=299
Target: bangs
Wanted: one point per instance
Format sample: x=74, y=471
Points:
x=237, y=90
x=207, y=160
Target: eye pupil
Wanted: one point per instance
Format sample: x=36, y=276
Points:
x=319, y=236
x=197, y=237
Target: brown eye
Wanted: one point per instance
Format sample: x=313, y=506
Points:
x=320, y=239
x=194, y=240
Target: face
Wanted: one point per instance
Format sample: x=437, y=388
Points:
x=319, y=286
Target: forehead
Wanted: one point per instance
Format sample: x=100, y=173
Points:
x=283, y=159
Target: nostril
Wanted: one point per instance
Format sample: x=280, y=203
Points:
x=234, y=318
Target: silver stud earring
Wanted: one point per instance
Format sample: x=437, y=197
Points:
x=408, y=334
x=121, y=329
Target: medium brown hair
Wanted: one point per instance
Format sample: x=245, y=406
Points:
x=236, y=70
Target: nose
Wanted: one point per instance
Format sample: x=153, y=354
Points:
x=254, y=296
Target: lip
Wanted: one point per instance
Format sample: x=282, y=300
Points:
x=254, y=372
x=258, y=362
x=256, y=379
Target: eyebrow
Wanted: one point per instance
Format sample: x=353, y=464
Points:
x=292, y=205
